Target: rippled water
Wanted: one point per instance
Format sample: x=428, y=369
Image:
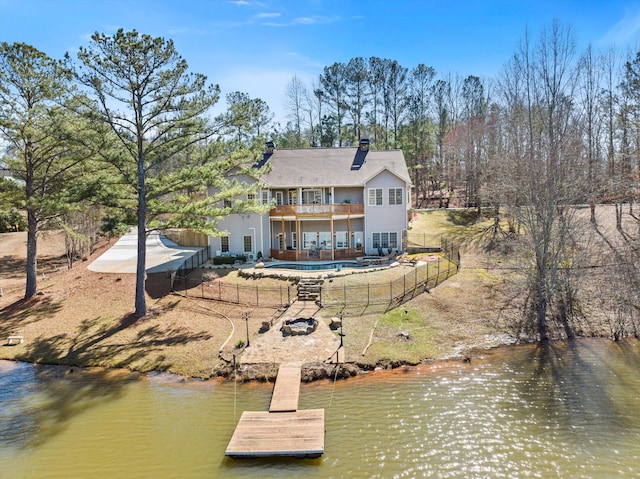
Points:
x=570, y=410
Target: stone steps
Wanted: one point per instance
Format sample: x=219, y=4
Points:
x=310, y=289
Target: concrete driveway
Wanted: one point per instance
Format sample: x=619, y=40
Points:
x=162, y=255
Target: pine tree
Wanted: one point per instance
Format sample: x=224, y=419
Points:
x=36, y=123
x=156, y=111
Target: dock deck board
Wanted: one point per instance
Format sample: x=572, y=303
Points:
x=286, y=391
x=262, y=434
x=283, y=430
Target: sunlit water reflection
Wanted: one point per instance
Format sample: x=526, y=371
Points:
x=570, y=410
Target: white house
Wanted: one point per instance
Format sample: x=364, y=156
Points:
x=329, y=203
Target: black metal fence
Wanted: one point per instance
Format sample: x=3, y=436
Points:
x=193, y=262
x=451, y=250
x=393, y=293
x=254, y=295
x=419, y=240
x=423, y=277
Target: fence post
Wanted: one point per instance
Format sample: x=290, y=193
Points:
x=289, y=294
x=202, y=288
x=368, y=294
x=219, y=291
x=238, y=293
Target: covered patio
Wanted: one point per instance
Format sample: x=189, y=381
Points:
x=317, y=232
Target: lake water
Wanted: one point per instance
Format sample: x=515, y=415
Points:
x=567, y=410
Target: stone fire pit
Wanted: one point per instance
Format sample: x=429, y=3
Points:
x=299, y=326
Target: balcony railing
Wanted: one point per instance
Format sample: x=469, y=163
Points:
x=318, y=210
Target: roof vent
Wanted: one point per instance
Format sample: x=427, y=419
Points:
x=364, y=144
x=271, y=146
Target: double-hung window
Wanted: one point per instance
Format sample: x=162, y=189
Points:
x=395, y=196
x=224, y=244
x=375, y=196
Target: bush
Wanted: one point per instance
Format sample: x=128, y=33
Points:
x=12, y=220
x=229, y=259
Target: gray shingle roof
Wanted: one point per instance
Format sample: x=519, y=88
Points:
x=307, y=167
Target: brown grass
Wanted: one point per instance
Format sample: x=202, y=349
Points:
x=85, y=318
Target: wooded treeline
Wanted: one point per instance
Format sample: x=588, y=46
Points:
x=461, y=135
x=555, y=129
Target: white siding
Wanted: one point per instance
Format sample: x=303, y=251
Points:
x=384, y=218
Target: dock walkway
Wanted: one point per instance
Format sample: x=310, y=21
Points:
x=287, y=389
x=283, y=430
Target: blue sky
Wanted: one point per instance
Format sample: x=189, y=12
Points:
x=257, y=46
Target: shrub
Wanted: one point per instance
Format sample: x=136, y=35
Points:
x=228, y=259
x=12, y=220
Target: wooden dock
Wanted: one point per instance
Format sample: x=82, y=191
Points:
x=283, y=430
x=287, y=389
x=268, y=434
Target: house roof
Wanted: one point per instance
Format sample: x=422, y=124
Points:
x=308, y=167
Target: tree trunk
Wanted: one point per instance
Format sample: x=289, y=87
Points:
x=31, y=287
x=141, y=304
x=496, y=222
x=541, y=312
x=32, y=247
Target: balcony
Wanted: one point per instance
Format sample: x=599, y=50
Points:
x=318, y=210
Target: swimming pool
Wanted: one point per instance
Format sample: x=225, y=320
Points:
x=315, y=265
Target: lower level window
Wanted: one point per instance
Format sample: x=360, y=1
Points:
x=385, y=240
x=224, y=244
x=248, y=244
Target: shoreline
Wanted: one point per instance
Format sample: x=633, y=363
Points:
x=267, y=372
